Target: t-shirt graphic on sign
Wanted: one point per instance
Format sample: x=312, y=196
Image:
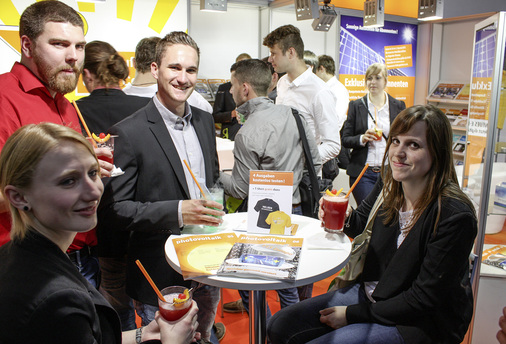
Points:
x=264, y=207
x=278, y=221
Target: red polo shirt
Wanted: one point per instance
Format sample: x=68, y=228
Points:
x=24, y=99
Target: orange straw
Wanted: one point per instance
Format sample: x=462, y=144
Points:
x=84, y=123
x=195, y=179
x=358, y=179
x=160, y=296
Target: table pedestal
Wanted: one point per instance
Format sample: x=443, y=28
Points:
x=257, y=317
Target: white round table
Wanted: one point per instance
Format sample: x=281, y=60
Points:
x=315, y=264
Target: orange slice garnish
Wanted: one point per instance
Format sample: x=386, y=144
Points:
x=179, y=301
x=101, y=140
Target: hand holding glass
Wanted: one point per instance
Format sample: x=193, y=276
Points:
x=172, y=309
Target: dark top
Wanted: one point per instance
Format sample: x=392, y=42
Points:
x=105, y=107
x=424, y=288
x=102, y=109
x=44, y=298
x=222, y=111
x=144, y=200
x=356, y=125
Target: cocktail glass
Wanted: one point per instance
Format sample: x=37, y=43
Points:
x=217, y=195
x=378, y=132
x=334, y=208
x=170, y=310
x=109, y=144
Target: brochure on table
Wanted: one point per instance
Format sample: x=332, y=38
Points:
x=271, y=257
x=270, y=202
x=203, y=254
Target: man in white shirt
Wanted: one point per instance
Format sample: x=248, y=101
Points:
x=303, y=90
x=326, y=71
x=144, y=84
x=299, y=88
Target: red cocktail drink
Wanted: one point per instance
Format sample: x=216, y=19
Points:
x=335, y=213
x=107, y=142
x=173, y=309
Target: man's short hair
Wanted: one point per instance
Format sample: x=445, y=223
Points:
x=311, y=59
x=328, y=63
x=286, y=37
x=35, y=16
x=145, y=53
x=175, y=37
x=243, y=56
x=254, y=72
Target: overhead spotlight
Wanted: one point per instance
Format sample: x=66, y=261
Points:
x=213, y=5
x=327, y=17
x=306, y=9
x=374, y=13
x=430, y=9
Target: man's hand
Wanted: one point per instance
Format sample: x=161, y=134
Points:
x=334, y=317
x=105, y=167
x=200, y=212
x=182, y=331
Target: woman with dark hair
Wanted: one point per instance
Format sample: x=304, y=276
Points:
x=49, y=175
x=103, y=72
x=414, y=287
x=366, y=116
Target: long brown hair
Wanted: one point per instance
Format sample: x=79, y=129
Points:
x=442, y=179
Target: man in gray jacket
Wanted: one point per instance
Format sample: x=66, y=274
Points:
x=268, y=140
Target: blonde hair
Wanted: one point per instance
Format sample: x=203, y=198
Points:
x=377, y=69
x=20, y=157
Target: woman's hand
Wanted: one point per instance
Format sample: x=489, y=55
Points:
x=501, y=335
x=105, y=167
x=334, y=317
x=369, y=135
x=182, y=331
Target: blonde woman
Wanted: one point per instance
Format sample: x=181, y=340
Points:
x=376, y=110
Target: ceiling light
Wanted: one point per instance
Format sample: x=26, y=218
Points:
x=327, y=17
x=430, y=9
x=306, y=9
x=374, y=13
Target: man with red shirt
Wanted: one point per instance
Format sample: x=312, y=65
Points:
x=52, y=55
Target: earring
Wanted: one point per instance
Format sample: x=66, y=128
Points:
x=25, y=208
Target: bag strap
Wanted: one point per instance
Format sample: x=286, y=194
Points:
x=373, y=213
x=309, y=159
x=370, y=115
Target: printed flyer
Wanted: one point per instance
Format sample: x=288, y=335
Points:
x=270, y=257
x=203, y=254
x=270, y=202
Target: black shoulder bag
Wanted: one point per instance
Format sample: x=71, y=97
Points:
x=310, y=186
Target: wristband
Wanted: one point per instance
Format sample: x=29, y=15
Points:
x=138, y=335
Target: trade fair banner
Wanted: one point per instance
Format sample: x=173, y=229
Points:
x=394, y=45
x=479, y=100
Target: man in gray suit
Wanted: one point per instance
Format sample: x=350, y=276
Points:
x=156, y=196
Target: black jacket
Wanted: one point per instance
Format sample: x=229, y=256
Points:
x=356, y=125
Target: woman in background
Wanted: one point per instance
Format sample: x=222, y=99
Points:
x=104, y=70
x=414, y=287
x=50, y=177
x=376, y=110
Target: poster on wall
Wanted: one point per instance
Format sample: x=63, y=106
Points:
x=394, y=45
x=479, y=100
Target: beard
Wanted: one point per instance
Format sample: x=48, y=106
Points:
x=55, y=79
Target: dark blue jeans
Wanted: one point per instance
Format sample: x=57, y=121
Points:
x=300, y=323
x=364, y=186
